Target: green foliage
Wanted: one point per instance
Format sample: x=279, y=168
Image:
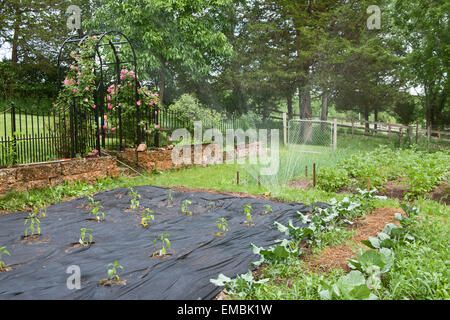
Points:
x=83, y=233
x=146, y=217
x=135, y=196
x=241, y=286
x=349, y=287
x=165, y=244
x=96, y=209
x=113, y=271
x=34, y=223
x=277, y=253
x=268, y=208
x=185, y=207
x=188, y=109
x=222, y=225
x=2, y=252
x=248, y=212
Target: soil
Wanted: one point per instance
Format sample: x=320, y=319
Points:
x=369, y=226
x=441, y=193
x=108, y=283
x=303, y=184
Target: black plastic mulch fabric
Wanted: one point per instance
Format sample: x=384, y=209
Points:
x=197, y=254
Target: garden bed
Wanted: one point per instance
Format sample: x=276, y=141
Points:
x=38, y=267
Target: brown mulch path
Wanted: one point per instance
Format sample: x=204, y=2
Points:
x=369, y=226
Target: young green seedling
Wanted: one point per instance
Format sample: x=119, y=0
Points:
x=222, y=225
x=2, y=252
x=185, y=207
x=112, y=271
x=268, y=209
x=34, y=224
x=83, y=232
x=248, y=212
x=170, y=198
x=135, y=196
x=147, y=216
x=40, y=212
x=165, y=243
x=96, y=212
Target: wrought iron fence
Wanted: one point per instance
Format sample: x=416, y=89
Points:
x=29, y=137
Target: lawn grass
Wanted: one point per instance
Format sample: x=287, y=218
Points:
x=25, y=125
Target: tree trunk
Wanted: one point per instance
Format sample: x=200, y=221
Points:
x=366, y=118
x=324, y=113
x=290, y=111
x=375, y=112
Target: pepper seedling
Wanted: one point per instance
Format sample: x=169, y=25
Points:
x=222, y=225
x=2, y=252
x=165, y=243
x=147, y=216
x=185, y=207
x=135, y=196
x=83, y=232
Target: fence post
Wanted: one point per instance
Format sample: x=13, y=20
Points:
x=13, y=132
x=417, y=132
x=335, y=135
x=284, y=128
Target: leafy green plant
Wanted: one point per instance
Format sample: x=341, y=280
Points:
x=96, y=209
x=165, y=244
x=268, y=208
x=351, y=286
x=185, y=207
x=170, y=197
x=135, y=196
x=248, y=212
x=242, y=285
x=83, y=233
x=222, y=225
x=34, y=224
x=146, y=217
x=113, y=271
x=332, y=179
x=277, y=253
x=2, y=252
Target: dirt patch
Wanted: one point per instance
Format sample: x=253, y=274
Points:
x=303, y=184
x=393, y=189
x=441, y=193
x=369, y=226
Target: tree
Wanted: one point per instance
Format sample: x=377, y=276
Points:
x=422, y=28
x=168, y=35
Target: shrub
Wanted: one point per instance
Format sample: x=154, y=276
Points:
x=188, y=109
x=332, y=179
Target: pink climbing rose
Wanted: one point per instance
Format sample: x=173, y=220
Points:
x=138, y=103
x=75, y=90
x=87, y=88
x=94, y=106
x=110, y=106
